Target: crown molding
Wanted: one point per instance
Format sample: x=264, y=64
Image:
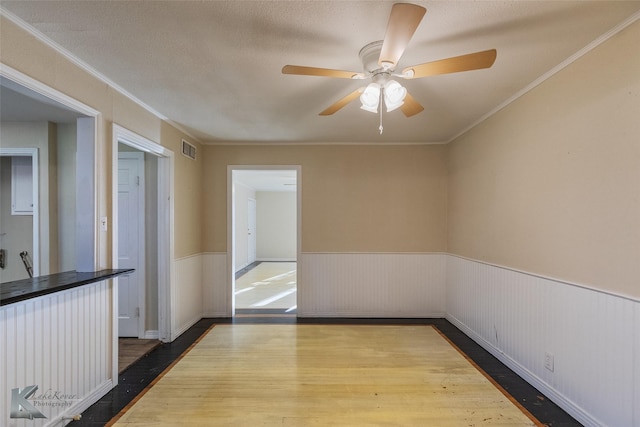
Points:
x=561, y=66
x=88, y=68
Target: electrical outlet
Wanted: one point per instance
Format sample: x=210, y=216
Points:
x=548, y=361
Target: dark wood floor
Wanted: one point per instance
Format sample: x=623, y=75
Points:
x=138, y=376
x=130, y=350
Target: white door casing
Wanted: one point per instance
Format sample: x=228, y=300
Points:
x=165, y=243
x=231, y=225
x=131, y=244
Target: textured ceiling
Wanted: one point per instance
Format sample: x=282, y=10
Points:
x=214, y=67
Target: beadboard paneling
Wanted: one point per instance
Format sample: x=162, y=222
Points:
x=62, y=343
x=188, y=294
x=215, y=287
x=372, y=285
x=593, y=337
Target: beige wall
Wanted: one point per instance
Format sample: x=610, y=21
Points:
x=189, y=189
x=25, y=53
x=41, y=135
x=16, y=231
x=355, y=198
x=551, y=184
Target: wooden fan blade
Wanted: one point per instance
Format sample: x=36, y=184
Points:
x=411, y=107
x=322, y=72
x=471, y=61
x=403, y=22
x=342, y=102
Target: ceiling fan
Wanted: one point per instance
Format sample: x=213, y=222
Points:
x=379, y=60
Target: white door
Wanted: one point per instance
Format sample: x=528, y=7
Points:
x=251, y=230
x=130, y=242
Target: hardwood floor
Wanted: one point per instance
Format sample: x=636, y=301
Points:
x=342, y=375
x=143, y=374
x=132, y=349
x=266, y=286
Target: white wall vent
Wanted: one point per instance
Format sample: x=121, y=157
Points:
x=188, y=150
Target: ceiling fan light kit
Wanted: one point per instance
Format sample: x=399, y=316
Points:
x=394, y=94
x=379, y=60
x=370, y=98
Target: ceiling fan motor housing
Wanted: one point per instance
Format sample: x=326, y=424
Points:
x=369, y=56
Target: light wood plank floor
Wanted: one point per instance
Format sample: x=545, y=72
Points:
x=267, y=286
x=318, y=375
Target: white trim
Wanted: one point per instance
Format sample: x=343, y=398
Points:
x=46, y=91
x=546, y=76
x=73, y=59
x=193, y=256
x=527, y=375
x=151, y=334
x=540, y=276
x=166, y=249
x=230, y=281
x=92, y=71
x=33, y=153
x=184, y=328
x=87, y=68
x=88, y=232
x=84, y=404
x=321, y=144
x=376, y=253
x=166, y=269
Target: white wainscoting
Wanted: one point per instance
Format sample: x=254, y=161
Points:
x=215, y=295
x=61, y=343
x=187, y=304
x=594, y=337
x=372, y=285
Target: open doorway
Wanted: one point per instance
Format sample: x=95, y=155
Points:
x=142, y=200
x=265, y=224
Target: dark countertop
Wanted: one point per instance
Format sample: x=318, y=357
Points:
x=21, y=290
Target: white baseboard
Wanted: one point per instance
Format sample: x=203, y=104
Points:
x=82, y=405
x=185, y=327
x=570, y=407
x=519, y=317
x=152, y=334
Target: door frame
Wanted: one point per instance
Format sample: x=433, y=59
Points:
x=35, y=175
x=88, y=245
x=230, y=282
x=139, y=156
x=166, y=269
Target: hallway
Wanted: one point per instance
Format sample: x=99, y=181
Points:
x=268, y=286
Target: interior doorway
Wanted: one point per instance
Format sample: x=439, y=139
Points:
x=142, y=200
x=59, y=134
x=21, y=216
x=133, y=231
x=264, y=239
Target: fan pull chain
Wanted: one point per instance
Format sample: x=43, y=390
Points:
x=381, y=108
